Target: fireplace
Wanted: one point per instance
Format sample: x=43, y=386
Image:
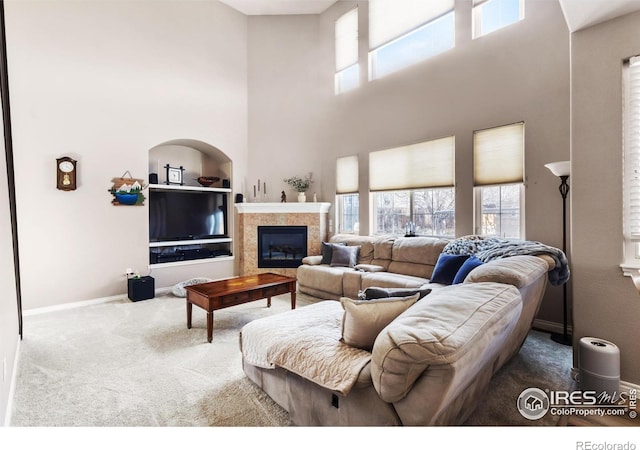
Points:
x=281, y=246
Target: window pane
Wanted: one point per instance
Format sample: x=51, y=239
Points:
x=391, y=212
x=425, y=42
x=348, y=79
x=496, y=14
x=431, y=212
x=349, y=211
x=500, y=214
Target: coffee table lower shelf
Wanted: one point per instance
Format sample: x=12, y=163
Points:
x=236, y=291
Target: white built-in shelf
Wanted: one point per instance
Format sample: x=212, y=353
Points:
x=177, y=187
x=216, y=259
x=190, y=242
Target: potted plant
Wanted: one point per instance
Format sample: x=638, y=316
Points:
x=300, y=185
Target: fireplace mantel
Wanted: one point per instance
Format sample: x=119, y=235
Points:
x=278, y=208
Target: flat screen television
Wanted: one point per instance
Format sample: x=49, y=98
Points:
x=176, y=215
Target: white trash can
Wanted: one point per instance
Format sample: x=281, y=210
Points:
x=599, y=367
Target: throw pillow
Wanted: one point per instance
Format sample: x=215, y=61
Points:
x=447, y=267
x=371, y=293
x=327, y=251
x=346, y=256
x=465, y=268
x=363, y=320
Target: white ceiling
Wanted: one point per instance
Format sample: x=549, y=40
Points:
x=581, y=14
x=279, y=7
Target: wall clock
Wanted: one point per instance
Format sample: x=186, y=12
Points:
x=66, y=174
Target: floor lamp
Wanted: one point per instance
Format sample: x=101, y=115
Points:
x=562, y=170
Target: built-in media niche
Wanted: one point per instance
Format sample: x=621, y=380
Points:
x=187, y=224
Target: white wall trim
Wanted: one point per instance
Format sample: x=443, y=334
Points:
x=71, y=305
x=550, y=327
x=12, y=386
x=95, y=301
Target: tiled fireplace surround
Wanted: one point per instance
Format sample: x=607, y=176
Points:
x=250, y=215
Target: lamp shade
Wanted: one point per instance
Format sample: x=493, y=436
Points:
x=560, y=168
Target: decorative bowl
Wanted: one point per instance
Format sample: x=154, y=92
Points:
x=208, y=181
x=126, y=199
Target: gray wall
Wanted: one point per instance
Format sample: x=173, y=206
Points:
x=606, y=303
x=519, y=73
x=104, y=82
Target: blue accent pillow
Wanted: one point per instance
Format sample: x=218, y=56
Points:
x=447, y=267
x=466, y=267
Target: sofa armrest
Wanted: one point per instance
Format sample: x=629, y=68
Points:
x=454, y=321
x=314, y=260
x=369, y=268
x=520, y=271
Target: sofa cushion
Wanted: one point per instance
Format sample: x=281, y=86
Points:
x=345, y=256
x=374, y=292
x=447, y=267
x=327, y=251
x=418, y=250
x=322, y=278
x=363, y=320
x=391, y=280
x=440, y=331
x=466, y=268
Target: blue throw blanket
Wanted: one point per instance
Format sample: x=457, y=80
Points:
x=487, y=249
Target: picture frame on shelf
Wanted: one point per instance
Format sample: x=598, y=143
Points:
x=175, y=175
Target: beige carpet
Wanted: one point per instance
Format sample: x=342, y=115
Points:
x=136, y=364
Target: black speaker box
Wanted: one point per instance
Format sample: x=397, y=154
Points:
x=153, y=178
x=142, y=288
x=239, y=198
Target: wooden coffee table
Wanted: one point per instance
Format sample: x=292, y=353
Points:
x=236, y=291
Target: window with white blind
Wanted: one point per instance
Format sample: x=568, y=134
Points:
x=347, y=75
x=498, y=172
x=347, y=197
x=492, y=15
x=412, y=189
x=403, y=33
x=631, y=163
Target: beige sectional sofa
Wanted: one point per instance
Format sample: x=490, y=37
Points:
x=382, y=261
x=430, y=366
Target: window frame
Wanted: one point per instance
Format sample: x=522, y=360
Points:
x=477, y=208
x=373, y=53
x=476, y=22
x=631, y=242
x=373, y=220
x=340, y=214
x=342, y=70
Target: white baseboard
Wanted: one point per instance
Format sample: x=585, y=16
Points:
x=550, y=327
x=12, y=387
x=95, y=301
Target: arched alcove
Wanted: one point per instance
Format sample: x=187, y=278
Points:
x=189, y=223
x=198, y=159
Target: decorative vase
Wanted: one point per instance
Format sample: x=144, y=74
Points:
x=302, y=197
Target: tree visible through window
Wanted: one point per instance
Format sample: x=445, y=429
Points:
x=431, y=212
x=500, y=211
